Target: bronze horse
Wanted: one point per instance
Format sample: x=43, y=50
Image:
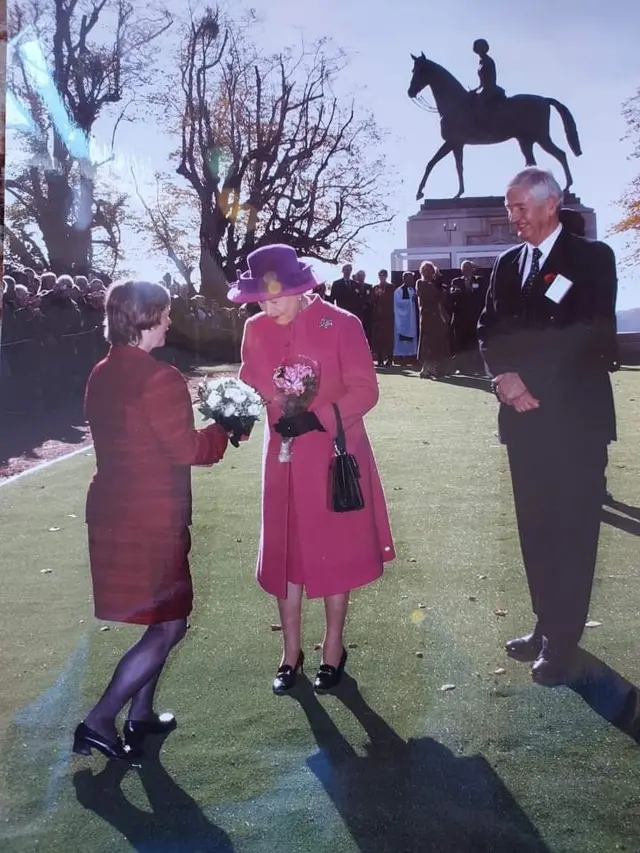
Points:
x=522, y=117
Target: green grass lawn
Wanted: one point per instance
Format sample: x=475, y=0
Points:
x=392, y=763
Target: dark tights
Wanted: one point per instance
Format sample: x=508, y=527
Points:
x=136, y=677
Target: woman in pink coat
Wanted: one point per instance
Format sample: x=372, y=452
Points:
x=303, y=544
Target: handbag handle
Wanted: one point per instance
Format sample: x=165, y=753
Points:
x=340, y=441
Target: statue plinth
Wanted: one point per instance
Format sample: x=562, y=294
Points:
x=449, y=231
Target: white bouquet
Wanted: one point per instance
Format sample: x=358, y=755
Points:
x=231, y=403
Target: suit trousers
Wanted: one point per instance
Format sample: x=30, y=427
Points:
x=558, y=488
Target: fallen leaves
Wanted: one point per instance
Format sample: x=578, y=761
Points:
x=447, y=688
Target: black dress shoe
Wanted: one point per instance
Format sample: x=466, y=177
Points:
x=328, y=676
x=550, y=672
x=286, y=676
x=135, y=731
x=86, y=739
x=525, y=649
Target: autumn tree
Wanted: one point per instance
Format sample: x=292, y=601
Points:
x=71, y=60
x=271, y=152
x=630, y=201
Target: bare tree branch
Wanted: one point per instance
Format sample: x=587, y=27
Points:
x=299, y=166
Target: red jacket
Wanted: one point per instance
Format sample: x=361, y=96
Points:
x=141, y=420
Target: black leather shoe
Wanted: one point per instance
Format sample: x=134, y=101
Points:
x=86, y=739
x=286, y=676
x=525, y=649
x=550, y=672
x=328, y=676
x=135, y=731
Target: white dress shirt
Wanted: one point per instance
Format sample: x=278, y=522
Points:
x=545, y=247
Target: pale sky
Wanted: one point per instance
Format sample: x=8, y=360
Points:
x=581, y=52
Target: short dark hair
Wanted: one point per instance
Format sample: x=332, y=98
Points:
x=131, y=307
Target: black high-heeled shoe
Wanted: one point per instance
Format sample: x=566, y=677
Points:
x=86, y=739
x=286, y=676
x=329, y=676
x=135, y=731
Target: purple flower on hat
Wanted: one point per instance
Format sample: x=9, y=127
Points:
x=274, y=271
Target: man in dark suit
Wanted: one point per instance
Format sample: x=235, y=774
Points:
x=466, y=295
x=343, y=291
x=545, y=335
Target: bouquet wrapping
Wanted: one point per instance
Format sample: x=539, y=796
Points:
x=232, y=403
x=296, y=381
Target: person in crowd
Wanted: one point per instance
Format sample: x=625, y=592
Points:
x=545, y=335
x=303, y=545
x=364, y=309
x=466, y=298
x=321, y=290
x=139, y=510
x=343, y=291
x=31, y=280
x=47, y=282
x=383, y=324
x=405, y=348
x=64, y=323
x=434, y=353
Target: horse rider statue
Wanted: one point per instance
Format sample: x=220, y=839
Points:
x=488, y=94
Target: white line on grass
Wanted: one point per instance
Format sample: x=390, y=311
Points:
x=34, y=470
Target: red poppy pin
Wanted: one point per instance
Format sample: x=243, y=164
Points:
x=550, y=277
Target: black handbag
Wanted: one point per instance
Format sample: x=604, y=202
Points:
x=345, y=494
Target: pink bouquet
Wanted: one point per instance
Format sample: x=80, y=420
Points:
x=296, y=382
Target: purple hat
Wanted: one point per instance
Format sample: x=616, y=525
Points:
x=274, y=271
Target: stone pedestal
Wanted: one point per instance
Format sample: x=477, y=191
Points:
x=450, y=231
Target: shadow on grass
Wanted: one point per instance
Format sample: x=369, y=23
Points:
x=22, y=434
x=606, y=692
x=625, y=517
x=404, y=796
x=480, y=383
x=175, y=823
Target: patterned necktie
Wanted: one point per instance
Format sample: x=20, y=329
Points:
x=533, y=272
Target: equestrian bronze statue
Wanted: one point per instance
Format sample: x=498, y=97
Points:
x=487, y=116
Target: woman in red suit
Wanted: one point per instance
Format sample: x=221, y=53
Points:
x=139, y=509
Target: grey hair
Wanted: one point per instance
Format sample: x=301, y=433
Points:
x=539, y=183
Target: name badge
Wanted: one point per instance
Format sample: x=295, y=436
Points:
x=558, y=289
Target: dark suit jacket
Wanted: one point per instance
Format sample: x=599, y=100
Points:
x=343, y=294
x=466, y=306
x=562, y=352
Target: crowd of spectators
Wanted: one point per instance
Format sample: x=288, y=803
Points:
x=51, y=335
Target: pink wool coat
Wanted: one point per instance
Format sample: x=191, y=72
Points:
x=301, y=539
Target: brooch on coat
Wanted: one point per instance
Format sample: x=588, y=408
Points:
x=326, y=323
